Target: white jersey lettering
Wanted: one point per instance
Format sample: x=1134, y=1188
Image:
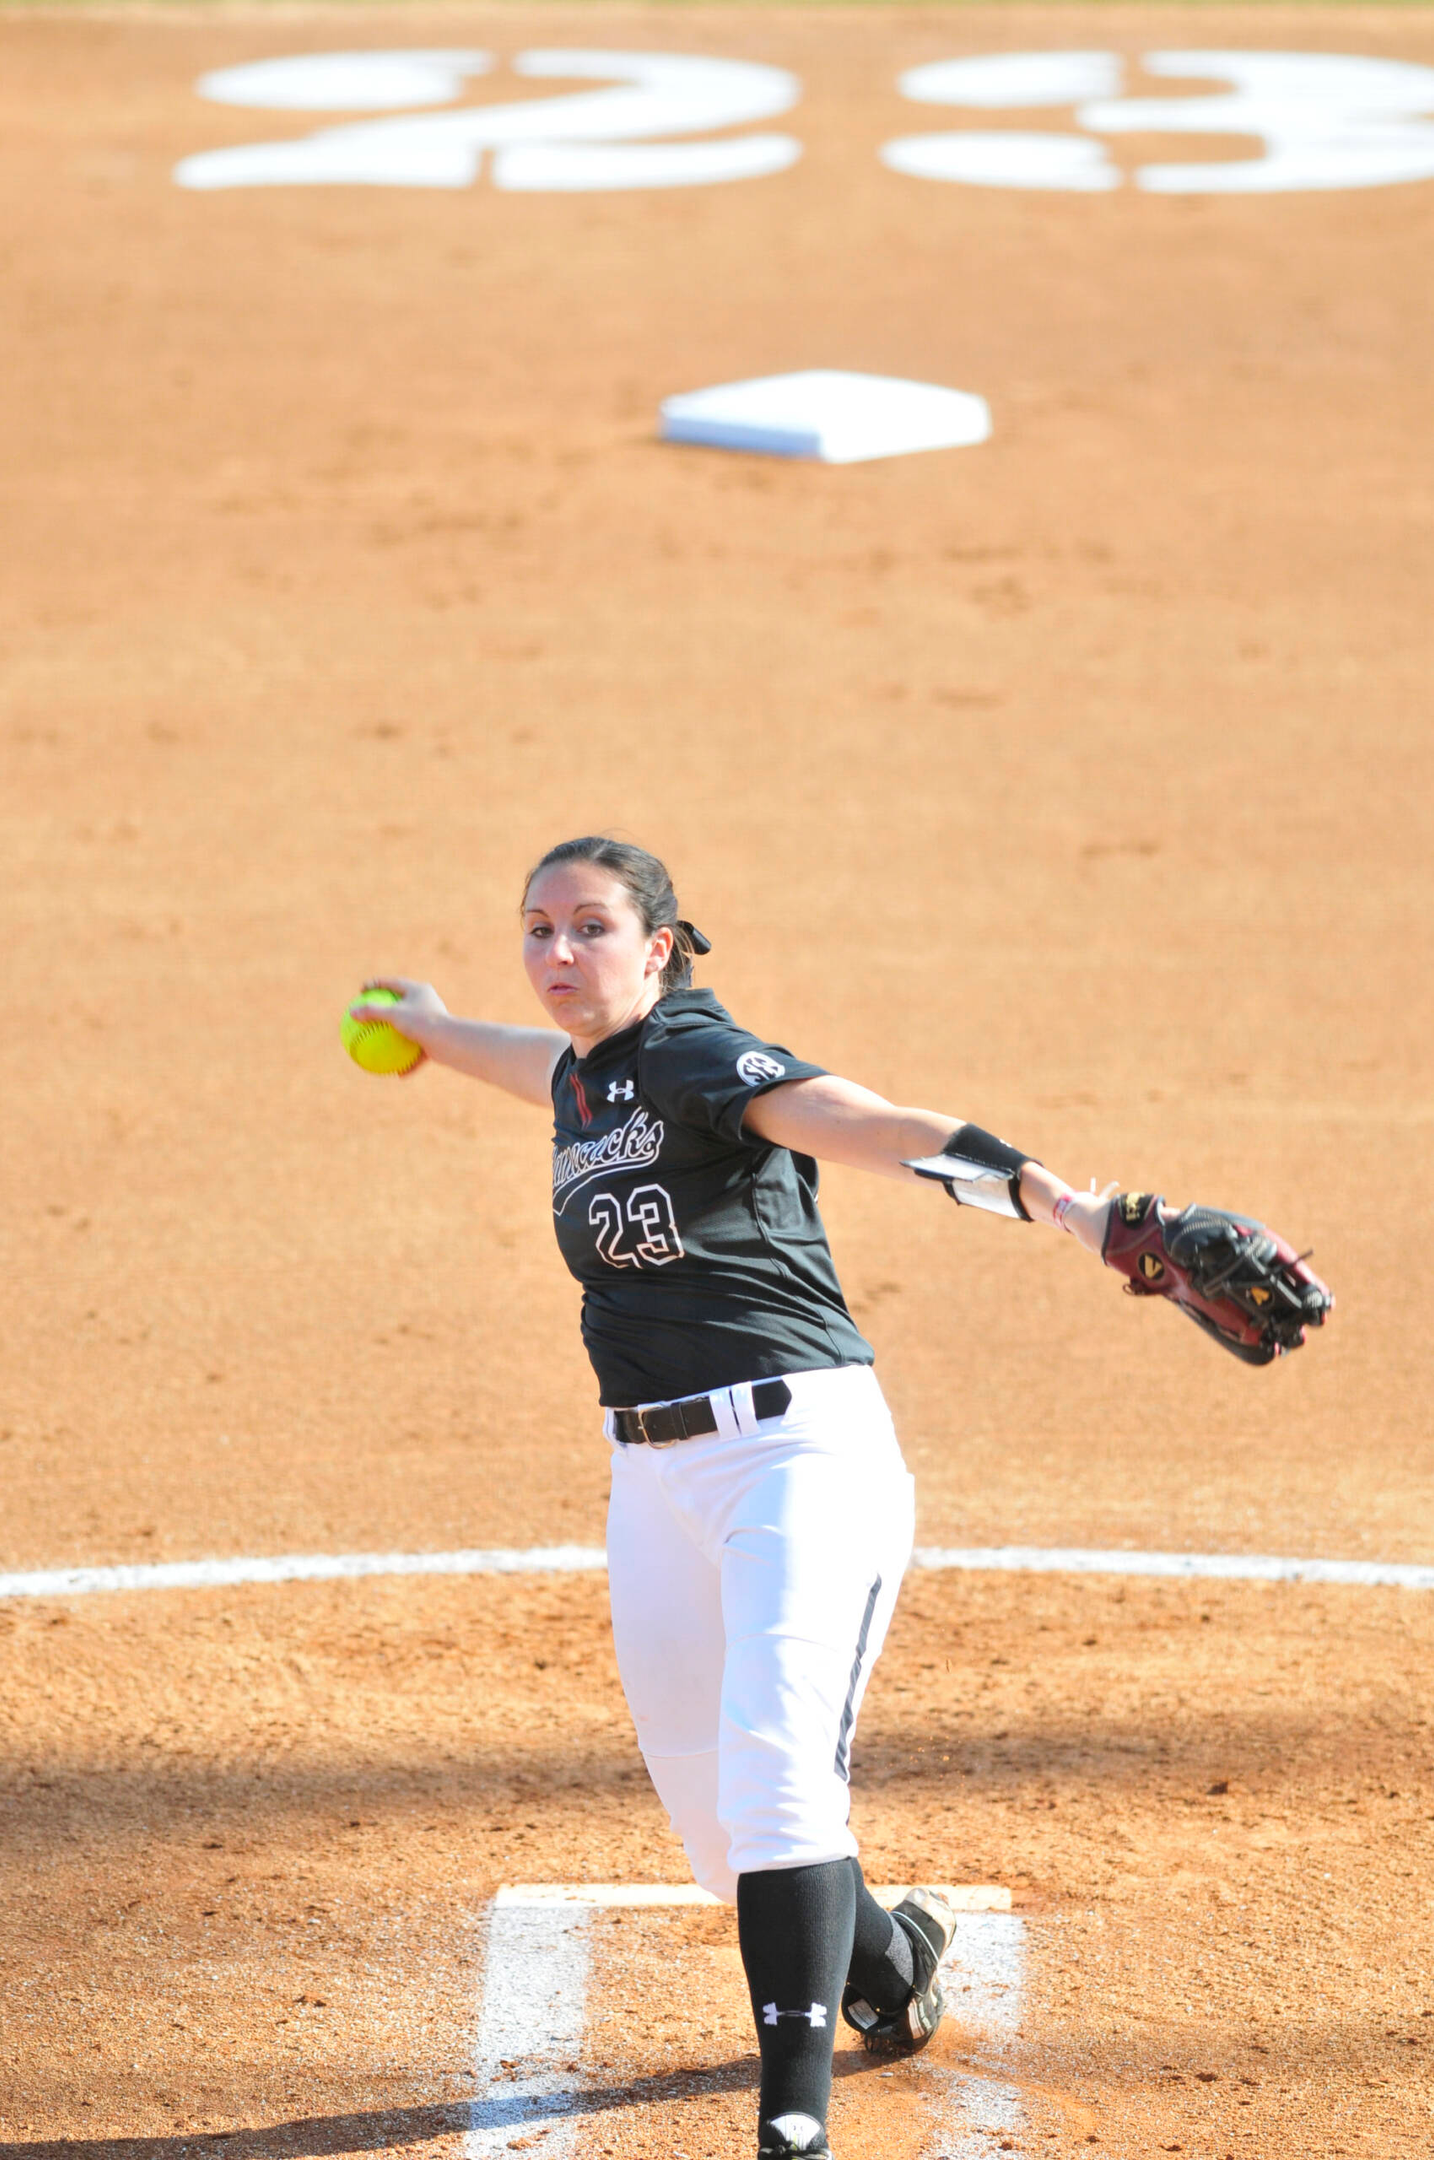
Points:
x=636, y=1142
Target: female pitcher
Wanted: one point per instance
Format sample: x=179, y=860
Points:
x=761, y=1514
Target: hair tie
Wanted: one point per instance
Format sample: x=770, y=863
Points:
x=695, y=939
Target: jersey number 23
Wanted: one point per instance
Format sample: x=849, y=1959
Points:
x=650, y=1227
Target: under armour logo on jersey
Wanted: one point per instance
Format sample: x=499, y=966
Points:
x=621, y=1090
x=755, y=1065
x=816, y=2017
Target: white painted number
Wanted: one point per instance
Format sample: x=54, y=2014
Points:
x=346, y=81
x=649, y=1214
x=1324, y=120
x=596, y=139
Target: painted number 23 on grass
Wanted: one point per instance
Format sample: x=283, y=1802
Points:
x=1313, y=121
x=585, y=140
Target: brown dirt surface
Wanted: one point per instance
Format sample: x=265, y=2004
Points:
x=252, y=1834
x=1080, y=784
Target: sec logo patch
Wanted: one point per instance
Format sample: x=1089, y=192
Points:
x=755, y=1065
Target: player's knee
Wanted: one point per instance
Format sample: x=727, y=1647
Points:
x=757, y=1850
x=705, y=1841
x=788, y=1812
x=711, y=1869
x=687, y=1788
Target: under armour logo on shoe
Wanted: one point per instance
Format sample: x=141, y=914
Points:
x=620, y=1091
x=816, y=2017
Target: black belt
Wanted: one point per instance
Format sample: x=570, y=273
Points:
x=692, y=1417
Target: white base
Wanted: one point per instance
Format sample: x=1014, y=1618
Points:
x=825, y=413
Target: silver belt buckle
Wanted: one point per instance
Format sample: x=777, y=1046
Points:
x=642, y=1422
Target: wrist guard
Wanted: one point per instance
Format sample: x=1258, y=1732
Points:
x=978, y=1170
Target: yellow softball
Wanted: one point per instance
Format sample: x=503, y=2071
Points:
x=375, y=1045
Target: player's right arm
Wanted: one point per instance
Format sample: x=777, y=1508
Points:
x=519, y=1060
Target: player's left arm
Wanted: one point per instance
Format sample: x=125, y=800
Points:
x=838, y=1121
x=1243, y=1284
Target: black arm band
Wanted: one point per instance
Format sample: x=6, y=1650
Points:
x=978, y=1170
x=984, y=1148
x=974, y=1144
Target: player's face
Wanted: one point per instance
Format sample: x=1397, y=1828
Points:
x=589, y=958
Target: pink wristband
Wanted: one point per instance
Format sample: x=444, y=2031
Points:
x=1058, y=1212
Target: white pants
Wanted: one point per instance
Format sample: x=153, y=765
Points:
x=752, y=1577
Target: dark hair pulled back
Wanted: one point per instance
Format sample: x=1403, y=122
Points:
x=647, y=884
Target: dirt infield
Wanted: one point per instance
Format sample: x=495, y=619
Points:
x=252, y=1835
x=1079, y=783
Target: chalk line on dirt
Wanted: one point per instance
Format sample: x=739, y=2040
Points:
x=530, y=2028
x=1220, y=1567
x=985, y=1981
x=535, y=1987
x=301, y=1567
x=579, y=1559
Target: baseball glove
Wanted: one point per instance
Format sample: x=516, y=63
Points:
x=1235, y=1278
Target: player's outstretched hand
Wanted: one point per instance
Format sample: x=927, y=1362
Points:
x=418, y=1006
x=1246, y=1286
x=1087, y=1216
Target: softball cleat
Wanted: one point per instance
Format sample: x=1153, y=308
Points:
x=793, y=2137
x=928, y=1923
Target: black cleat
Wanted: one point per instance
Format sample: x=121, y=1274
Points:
x=793, y=2137
x=929, y=1924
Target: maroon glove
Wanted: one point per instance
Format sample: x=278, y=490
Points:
x=1240, y=1282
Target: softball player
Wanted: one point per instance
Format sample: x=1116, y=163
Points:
x=761, y=1514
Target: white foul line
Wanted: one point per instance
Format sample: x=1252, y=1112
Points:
x=581, y=1559
x=301, y=1567
x=1219, y=1567
x=535, y=1986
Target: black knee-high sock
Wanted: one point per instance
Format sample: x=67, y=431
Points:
x=795, y=1929
x=882, y=1968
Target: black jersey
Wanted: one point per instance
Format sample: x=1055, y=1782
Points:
x=699, y=1246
